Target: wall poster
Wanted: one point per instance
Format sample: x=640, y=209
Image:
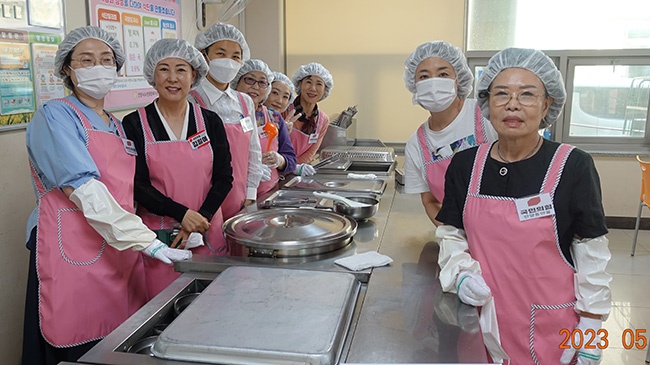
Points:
x=137, y=24
x=29, y=34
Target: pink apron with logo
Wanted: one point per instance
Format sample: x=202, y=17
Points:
x=266, y=186
x=184, y=175
x=435, y=170
x=300, y=140
x=86, y=287
x=531, y=281
x=239, y=142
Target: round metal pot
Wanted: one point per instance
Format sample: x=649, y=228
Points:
x=288, y=232
x=182, y=302
x=358, y=213
x=143, y=346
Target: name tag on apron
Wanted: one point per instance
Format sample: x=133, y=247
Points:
x=129, y=147
x=261, y=132
x=198, y=140
x=313, y=138
x=536, y=206
x=246, y=124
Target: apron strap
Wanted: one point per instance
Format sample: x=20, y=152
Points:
x=479, y=126
x=198, y=99
x=198, y=117
x=146, y=128
x=555, y=168
x=477, y=170
x=40, y=187
x=242, y=101
x=424, y=146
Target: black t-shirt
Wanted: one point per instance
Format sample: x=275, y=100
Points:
x=151, y=198
x=578, y=200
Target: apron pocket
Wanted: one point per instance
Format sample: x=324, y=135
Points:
x=546, y=324
x=78, y=242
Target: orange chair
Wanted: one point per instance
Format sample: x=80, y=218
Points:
x=645, y=197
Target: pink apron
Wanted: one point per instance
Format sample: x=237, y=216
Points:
x=183, y=174
x=86, y=287
x=239, y=142
x=523, y=265
x=301, y=141
x=266, y=186
x=435, y=170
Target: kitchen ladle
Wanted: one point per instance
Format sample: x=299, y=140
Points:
x=271, y=131
x=342, y=199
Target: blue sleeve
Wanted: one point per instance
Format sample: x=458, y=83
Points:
x=56, y=144
x=285, y=148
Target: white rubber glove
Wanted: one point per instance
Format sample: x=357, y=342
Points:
x=272, y=159
x=162, y=252
x=266, y=173
x=585, y=356
x=472, y=289
x=454, y=256
x=194, y=240
x=591, y=281
x=305, y=169
x=118, y=227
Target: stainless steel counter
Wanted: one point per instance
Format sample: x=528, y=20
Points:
x=402, y=315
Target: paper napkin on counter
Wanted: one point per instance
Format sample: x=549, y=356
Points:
x=352, y=175
x=364, y=260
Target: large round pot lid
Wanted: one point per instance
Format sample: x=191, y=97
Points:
x=290, y=229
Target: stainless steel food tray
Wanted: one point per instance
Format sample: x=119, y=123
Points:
x=290, y=198
x=360, y=153
x=258, y=315
x=336, y=184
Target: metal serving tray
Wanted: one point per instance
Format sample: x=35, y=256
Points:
x=336, y=184
x=290, y=199
x=258, y=315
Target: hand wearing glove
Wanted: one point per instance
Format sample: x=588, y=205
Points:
x=266, y=173
x=305, y=169
x=165, y=254
x=273, y=160
x=472, y=289
x=585, y=356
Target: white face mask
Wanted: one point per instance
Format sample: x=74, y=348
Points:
x=96, y=81
x=435, y=94
x=224, y=69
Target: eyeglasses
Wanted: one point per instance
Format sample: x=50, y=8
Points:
x=526, y=98
x=251, y=81
x=89, y=62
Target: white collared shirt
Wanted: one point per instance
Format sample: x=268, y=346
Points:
x=226, y=104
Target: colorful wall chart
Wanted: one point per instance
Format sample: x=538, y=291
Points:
x=137, y=25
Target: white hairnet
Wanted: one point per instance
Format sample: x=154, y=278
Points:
x=219, y=32
x=534, y=61
x=313, y=69
x=449, y=53
x=280, y=77
x=76, y=36
x=174, y=48
x=250, y=66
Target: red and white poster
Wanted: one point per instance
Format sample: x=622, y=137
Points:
x=137, y=25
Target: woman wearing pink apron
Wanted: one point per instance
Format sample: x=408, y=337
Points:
x=224, y=48
x=85, y=276
x=254, y=79
x=438, y=76
x=183, y=173
x=524, y=227
x=313, y=83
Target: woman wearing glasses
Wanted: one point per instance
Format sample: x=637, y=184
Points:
x=85, y=276
x=440, y=80
x=523, y=231
x=313, y=84
x=254, y=79
x=183, y=172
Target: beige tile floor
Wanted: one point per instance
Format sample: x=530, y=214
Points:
x=630, y=296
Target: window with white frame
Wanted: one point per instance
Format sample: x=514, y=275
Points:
x=602, y=50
